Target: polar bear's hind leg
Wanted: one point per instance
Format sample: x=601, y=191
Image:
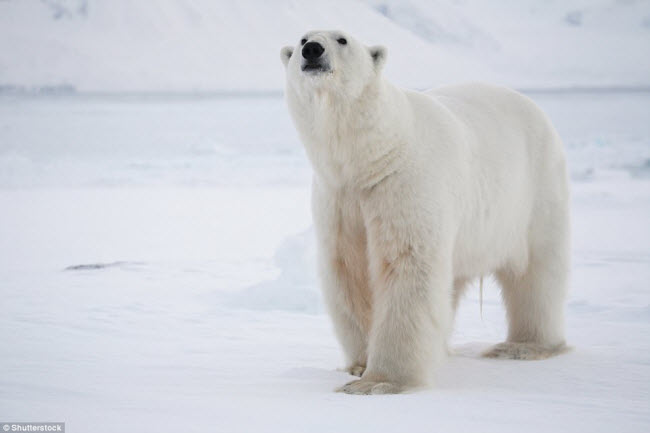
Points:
x=535, y=297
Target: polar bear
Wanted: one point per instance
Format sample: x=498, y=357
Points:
x=417, y=194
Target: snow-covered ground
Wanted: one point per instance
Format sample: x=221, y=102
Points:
x=156, y=274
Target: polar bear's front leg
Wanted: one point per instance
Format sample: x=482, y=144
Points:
x=346, y=292
x=344, y=274
x=350, y=324
x=411, y=280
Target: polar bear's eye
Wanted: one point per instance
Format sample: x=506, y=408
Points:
x=303, y=41
x=342, y=41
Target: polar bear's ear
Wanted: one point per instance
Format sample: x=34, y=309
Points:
x=378, y=54
x=285, y=55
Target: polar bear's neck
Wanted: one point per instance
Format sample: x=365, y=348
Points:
x=347, y=139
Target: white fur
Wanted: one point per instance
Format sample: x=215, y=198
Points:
x=416, y=194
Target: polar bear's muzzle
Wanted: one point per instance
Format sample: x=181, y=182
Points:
x=313, y=59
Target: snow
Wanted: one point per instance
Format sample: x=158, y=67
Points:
x=192, y=46
x=555, y=43
x=225, y=46
x=156, y=252
x=199, y=309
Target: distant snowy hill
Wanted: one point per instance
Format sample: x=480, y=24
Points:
x=208, y=45
x=538, y=43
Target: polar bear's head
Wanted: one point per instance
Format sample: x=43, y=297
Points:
x=332, y=61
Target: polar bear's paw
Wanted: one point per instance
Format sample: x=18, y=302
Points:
x=524, y=351
x=364, y=387
x=356, y=370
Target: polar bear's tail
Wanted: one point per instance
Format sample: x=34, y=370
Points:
x=480, y=295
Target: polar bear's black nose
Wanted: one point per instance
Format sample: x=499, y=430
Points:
x=312, y=50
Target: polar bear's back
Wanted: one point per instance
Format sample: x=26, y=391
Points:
x=500, y=121
x=494, y=110
x=483, y=95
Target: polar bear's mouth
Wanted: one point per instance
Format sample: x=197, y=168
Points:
x=314, y=67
